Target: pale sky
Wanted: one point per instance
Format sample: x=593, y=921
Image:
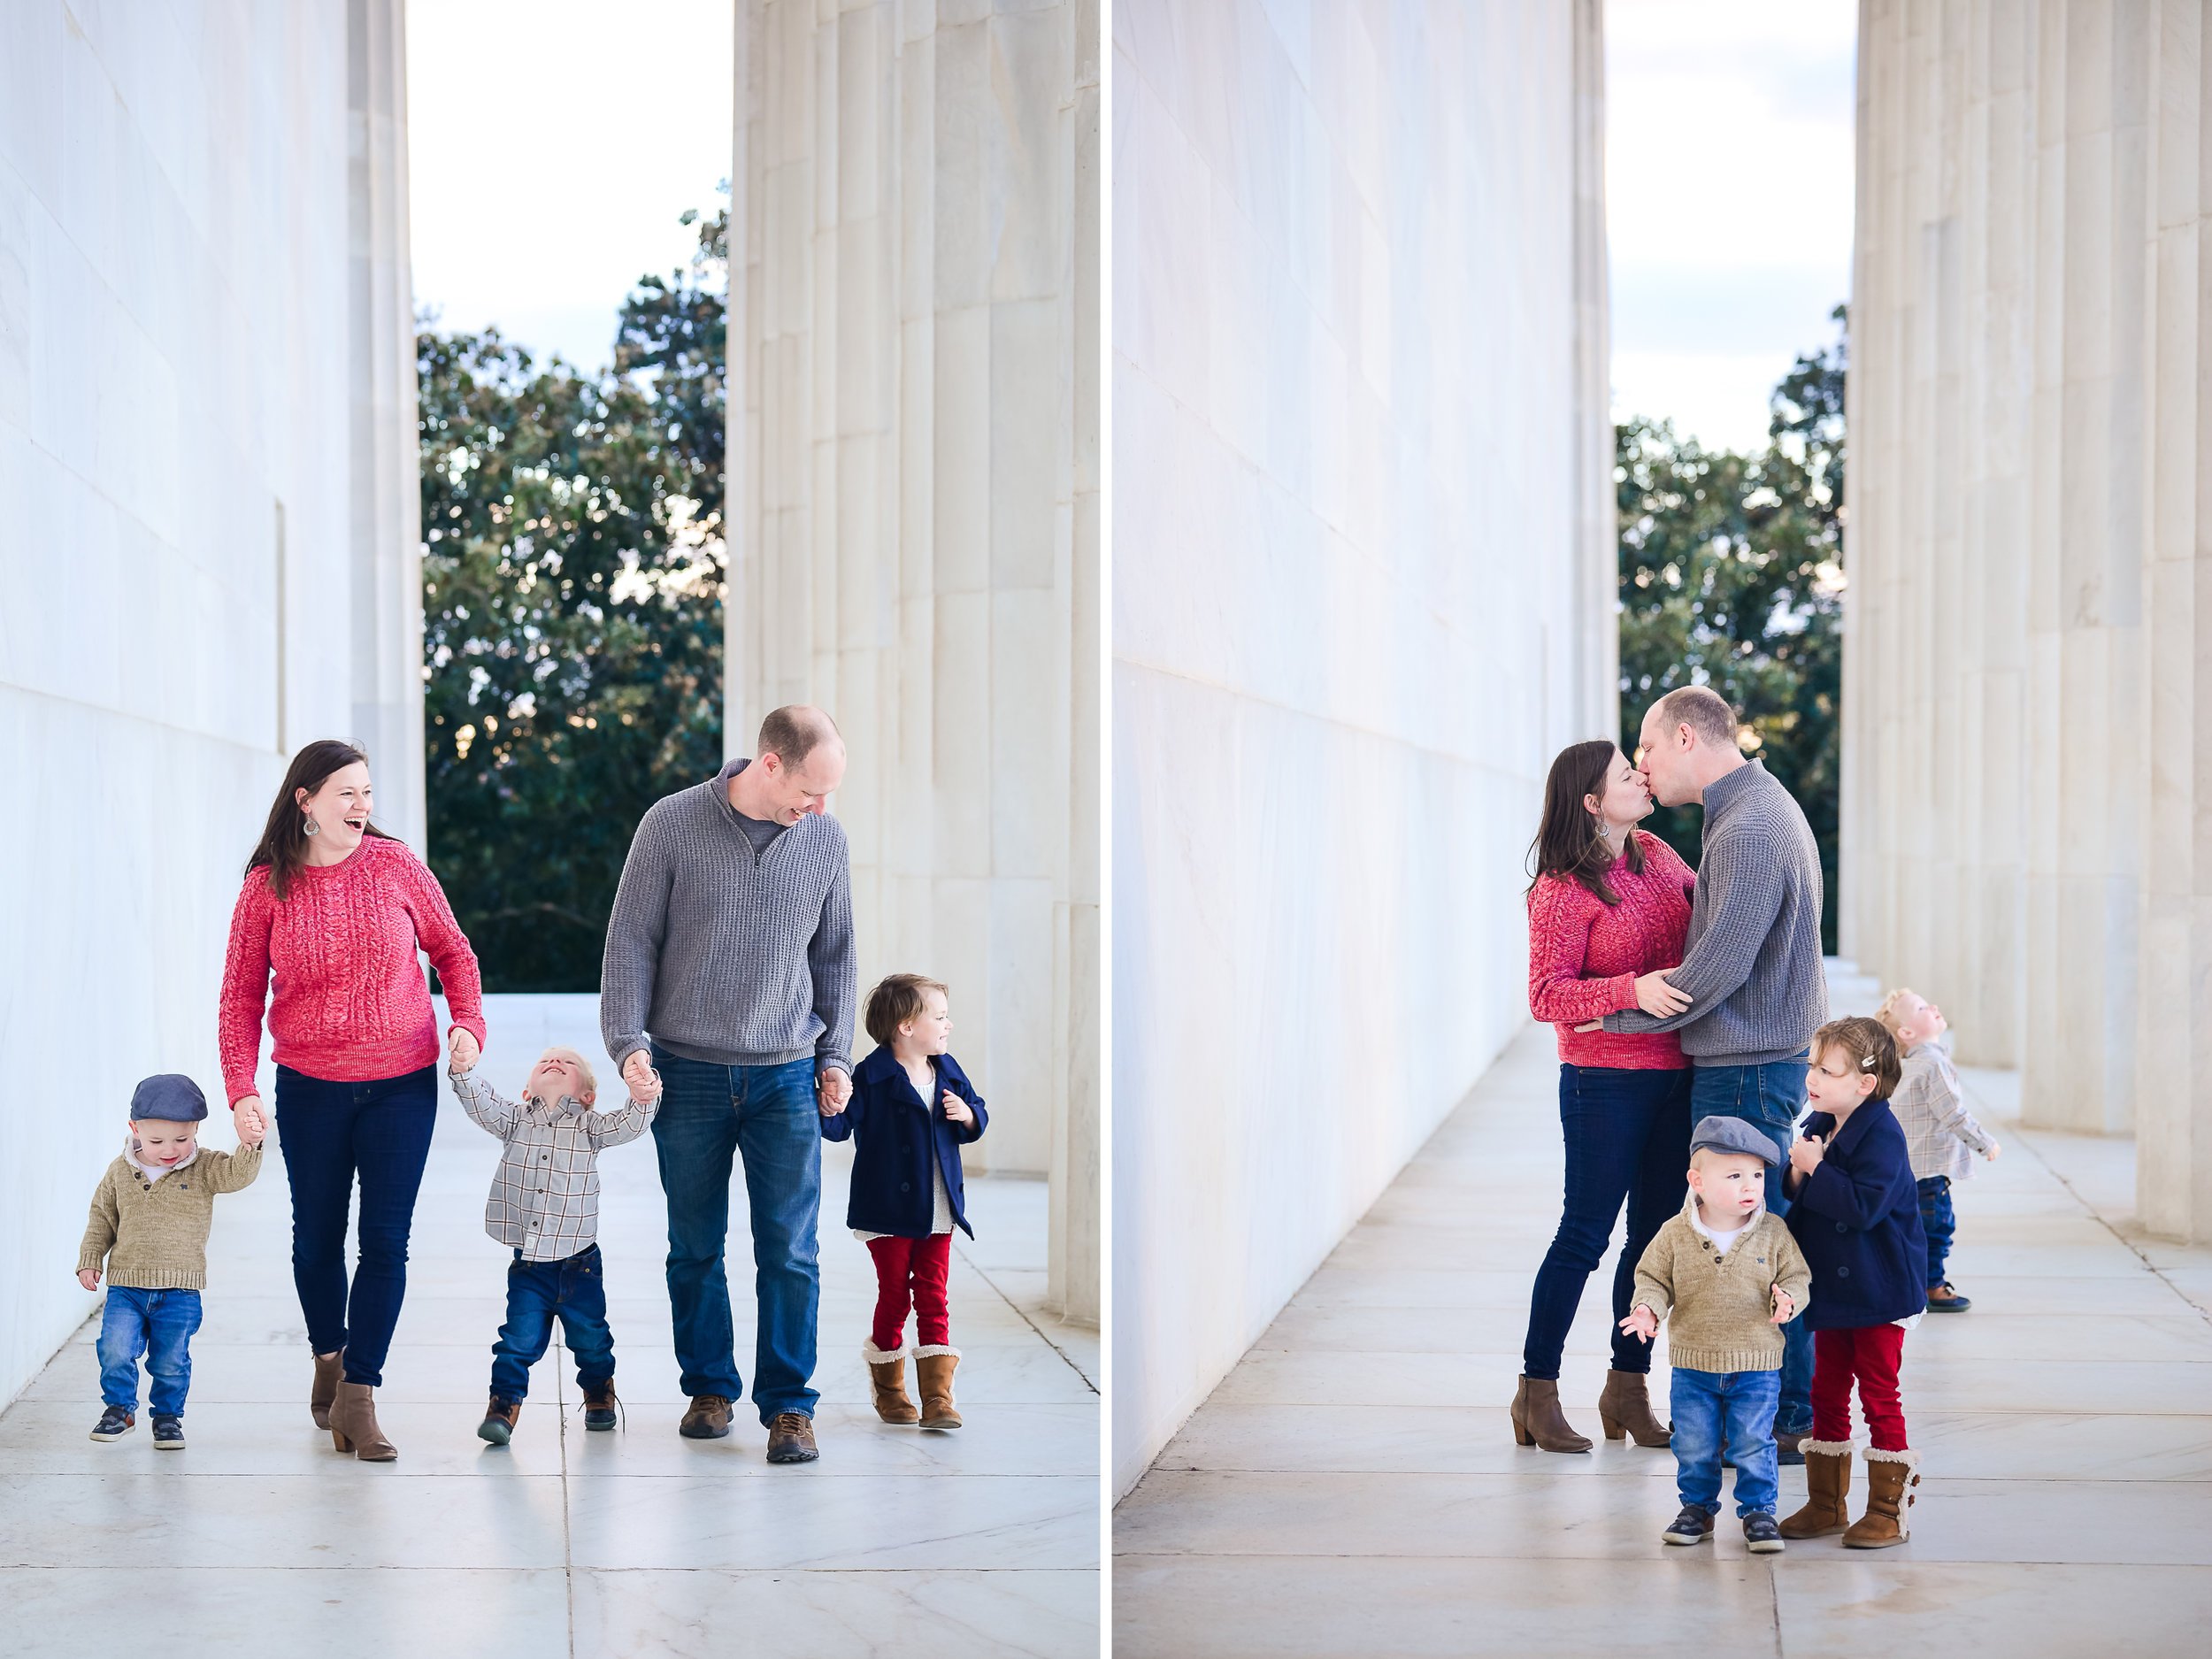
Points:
x=552, y=145
x=1728, y=185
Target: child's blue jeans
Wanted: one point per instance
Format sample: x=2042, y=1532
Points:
x=1730, y=1410
x=158, y=1324
x=575, y=1290
x=1939, y=1222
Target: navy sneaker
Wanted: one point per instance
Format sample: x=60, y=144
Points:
x=168, y=1431
x=114, y=1423
x=1943, y=1299
x=1694, y=1525
x=600, y=1407
x=1761, y=1535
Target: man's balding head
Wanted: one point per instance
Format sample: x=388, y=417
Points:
x=796, y=731
x=1688, y=739
x=798, y=766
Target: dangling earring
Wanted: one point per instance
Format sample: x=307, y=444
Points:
x=310, y=826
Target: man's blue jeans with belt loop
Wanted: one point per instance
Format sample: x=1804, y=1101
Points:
x=711, y=1117
x=1770, y=1098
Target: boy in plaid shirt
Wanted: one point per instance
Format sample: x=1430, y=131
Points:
x=1940, y=1134
x=545, y=1202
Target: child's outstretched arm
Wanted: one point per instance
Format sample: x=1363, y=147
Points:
x=99, y=1234
x=620, y=1128
x=228, y=1172
x=483, y=1103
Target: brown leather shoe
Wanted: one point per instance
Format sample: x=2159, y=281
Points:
x=330, y=1371
x=1827, y=1485
x=1889, y=1476
x=353, y=1425
x=791, y=1438
x=1624, y=1408
x=708, y=1419
x=1538, y=1420
x=498, y=1426
x=933, y=1374
x=887, y=1375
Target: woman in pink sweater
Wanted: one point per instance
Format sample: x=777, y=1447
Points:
x=1607, y=915
x=334, y=911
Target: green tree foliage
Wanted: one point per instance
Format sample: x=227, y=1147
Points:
x=1731, y=577
x=573, y=587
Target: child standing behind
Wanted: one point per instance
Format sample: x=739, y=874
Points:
x=545, y=1202
x=912, y=1110
x=1727, y=1269
x=1856, y=1215
x=149, y=1222
x=1940, y=1134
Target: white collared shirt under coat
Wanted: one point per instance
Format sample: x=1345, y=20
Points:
x=545, y=1196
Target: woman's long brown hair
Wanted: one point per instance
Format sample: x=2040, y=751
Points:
x=1567, y=843
x=283, y=844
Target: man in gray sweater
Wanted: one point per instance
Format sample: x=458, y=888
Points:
x=1752, y=966
x=729, y=968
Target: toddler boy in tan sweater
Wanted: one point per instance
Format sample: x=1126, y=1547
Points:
x=1726, y=1275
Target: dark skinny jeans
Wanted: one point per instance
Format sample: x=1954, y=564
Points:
x=1628, y=1139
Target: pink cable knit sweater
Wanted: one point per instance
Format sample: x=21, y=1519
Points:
x=1584, y=954
x=351, y=1000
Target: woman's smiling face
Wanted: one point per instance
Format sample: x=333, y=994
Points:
x=1627, y=797
x=341, y=811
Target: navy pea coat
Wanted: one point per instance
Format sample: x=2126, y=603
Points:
x=895, y=1134
x=1857, y=1219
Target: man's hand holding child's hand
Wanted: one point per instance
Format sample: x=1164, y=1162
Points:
x=1783, y=1307
x=89, y=1278
x=645, y=1093
x=1642, y=1323
x=1805, y=1155
x=956, y=1110
x=833, y=1090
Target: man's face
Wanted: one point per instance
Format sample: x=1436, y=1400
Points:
x=802, y=791
x=1664, y=760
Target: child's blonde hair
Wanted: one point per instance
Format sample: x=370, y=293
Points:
x=584, y=1073
x=1872, y=1050
x=1887, y=1012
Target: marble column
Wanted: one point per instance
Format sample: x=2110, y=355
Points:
x=914, y=489
x=2027, y=373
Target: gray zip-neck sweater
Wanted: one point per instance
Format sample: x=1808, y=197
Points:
x=1752, y=964
x=728, y=954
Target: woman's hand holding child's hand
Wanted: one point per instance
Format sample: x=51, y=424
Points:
x=956, y=1110
x=1805, y=1155
x=89, y=1278
x=247, y=1119
x=1784, y=1308
x=465, y=1052
x=1642, y=1322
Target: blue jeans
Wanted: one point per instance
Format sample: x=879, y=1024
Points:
x=1938, y=1221
x=1730, y=1411
x=765, y=1116
x=158, y=1324
x=331, y=1132
x=1770, y=1098
x=1627, y=1136
x=575, y=1289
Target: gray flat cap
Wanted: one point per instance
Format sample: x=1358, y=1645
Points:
x=1732, y=1134
x=170, y=1095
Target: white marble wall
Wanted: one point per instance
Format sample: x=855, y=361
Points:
x=914, y=480
x=178, y=360
x=2027, y=791
x=1362, y=545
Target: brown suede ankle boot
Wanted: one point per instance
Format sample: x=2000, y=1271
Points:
x=1889, y=1478
x=933, y=1367
x=1538, y=1420
x=353, y=1425
x=1827, y=1485
x=330, y=1370
x=886, y=1374
x=1624, y=1408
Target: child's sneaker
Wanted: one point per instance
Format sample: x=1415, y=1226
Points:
x=1762, y=1535
x=114, y=1423
x=498, y=1426
x=1694, y=1525
x=1943, y=1299
x=168, y=1431
x=599, y=1409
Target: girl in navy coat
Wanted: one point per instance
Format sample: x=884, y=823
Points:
x=1856, y=1213
x=912, y=1110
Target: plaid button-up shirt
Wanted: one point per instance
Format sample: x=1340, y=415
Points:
x=545, y=1198
x=1941, y=1136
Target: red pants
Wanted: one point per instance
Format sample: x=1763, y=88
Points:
x=1870, y=1357
x=911, y=1272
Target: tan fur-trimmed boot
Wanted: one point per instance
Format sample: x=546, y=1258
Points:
x=330, y=1371
x=934, y=1366
x=886, y=1374
x=353, y=1425
x=1827, y=1485
x=1624, y=1408
x=1538, y=1420
x=1890, y=1477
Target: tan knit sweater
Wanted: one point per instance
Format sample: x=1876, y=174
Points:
x=1723, y=1311
x=153, y=1234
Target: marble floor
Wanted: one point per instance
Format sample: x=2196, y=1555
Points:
x=258, y=1539
x=1352, y=1487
